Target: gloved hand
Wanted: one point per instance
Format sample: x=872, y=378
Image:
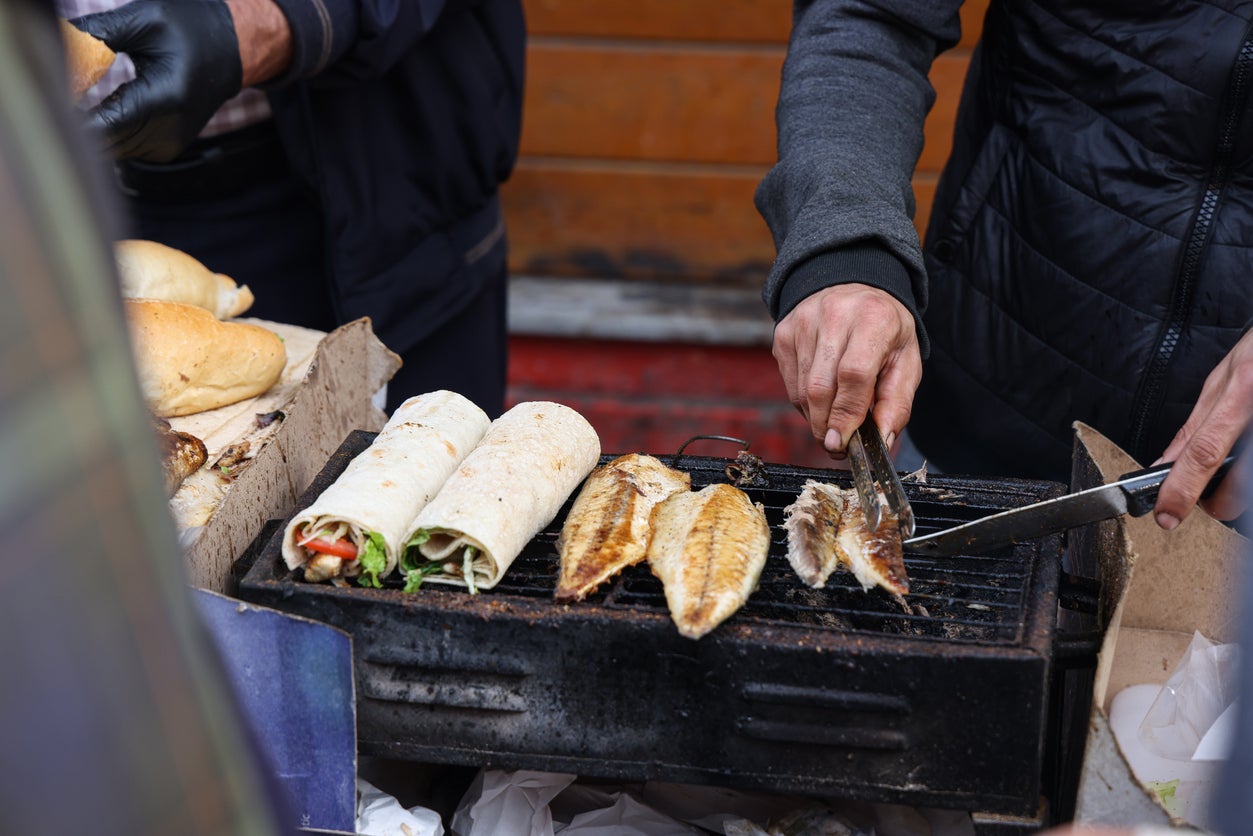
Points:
x=187, y=64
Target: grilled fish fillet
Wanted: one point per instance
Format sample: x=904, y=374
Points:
x=607, y=527
x=826, y=527
x=708, y=548
x=812, y=524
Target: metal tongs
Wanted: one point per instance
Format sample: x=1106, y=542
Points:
x=876, y=479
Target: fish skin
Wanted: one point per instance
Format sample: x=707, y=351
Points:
x=607, y=527
x=827, y=527
x=876, y=558
x=812, y=523
x=708, y=548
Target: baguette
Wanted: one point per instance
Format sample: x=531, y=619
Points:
x=189, y=361
x=150, y=270
x=86, y=57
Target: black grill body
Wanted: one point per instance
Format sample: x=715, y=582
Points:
x=939, y=700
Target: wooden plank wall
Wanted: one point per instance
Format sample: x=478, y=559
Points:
x=647, y=126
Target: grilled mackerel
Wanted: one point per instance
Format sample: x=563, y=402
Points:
x=826, y=528
x=812, y=524
x=607, y=528
x=708, y=548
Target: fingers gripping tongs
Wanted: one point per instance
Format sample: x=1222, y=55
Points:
x=878, y=484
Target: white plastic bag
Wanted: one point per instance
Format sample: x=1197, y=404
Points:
x=379, y=814
x=513, y=802
x=1201, y=687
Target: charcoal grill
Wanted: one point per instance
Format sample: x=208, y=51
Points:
x=831, y=691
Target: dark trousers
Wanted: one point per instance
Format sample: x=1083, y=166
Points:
x=268, y=235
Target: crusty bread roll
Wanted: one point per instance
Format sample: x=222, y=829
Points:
x=87, y=57
x=190, y=361
x=150, y=270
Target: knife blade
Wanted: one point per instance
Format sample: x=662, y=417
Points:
x=1132, y=493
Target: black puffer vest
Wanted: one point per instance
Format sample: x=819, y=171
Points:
x=1090, y=249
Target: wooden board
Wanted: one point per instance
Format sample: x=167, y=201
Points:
x=680, y=104
x=648, y=125
x=756, y=21
x=658, y=102
x=748, y=21
x=621, y=220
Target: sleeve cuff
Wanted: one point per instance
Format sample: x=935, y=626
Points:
x=314, y=24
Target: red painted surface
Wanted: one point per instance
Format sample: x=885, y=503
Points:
x=652, y=397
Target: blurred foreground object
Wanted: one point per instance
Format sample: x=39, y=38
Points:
x=117, y=717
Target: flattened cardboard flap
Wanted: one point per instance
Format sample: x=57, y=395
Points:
x=325, y=394
x=1168, y=582
x=1158, y=588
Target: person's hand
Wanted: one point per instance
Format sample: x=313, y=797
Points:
x=1220, y=418
x=844, y=350
x=190, y=56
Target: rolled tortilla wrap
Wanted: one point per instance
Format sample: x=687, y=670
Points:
x=510, y=486
x=383, y=487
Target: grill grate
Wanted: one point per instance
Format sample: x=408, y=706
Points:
x=970, y=598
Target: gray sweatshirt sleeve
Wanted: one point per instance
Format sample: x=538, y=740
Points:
x=851, y=108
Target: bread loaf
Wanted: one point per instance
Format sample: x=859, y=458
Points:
x=87, y=57
x=190, y=361
x=150, y=270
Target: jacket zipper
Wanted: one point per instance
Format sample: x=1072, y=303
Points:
x=1153, y=385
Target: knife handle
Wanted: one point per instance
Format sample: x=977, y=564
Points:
x=1145, y=484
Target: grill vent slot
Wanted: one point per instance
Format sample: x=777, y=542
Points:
x=824, y=717
x=466, y=689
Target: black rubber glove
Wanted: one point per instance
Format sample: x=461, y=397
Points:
x=187, y=64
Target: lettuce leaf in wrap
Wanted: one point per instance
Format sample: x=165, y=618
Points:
x=373, y=558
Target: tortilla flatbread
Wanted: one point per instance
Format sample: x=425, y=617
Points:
x=510, y=486
x=378, y=494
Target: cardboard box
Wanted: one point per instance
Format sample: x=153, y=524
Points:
x=293, y=680
x=325, y=392
x=1158, y=589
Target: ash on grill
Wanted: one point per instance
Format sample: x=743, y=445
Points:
x=942, y=702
